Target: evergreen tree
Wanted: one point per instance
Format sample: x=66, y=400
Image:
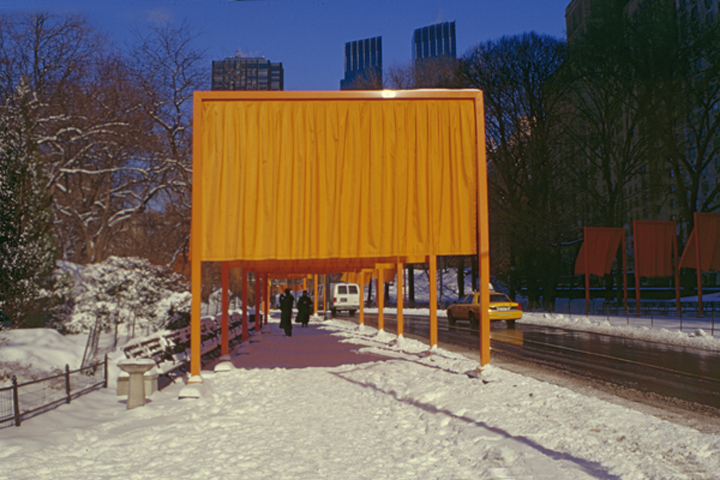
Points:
x=27, y=249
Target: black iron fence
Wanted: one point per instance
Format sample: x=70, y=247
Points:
x=662, y=314
x=21, y=401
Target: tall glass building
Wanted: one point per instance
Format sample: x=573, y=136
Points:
x=247, y=73
x=363, y=64
x=434, y=41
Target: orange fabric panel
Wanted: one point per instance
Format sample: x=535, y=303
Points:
x=388, y=274
x=602, y=245
x=338, y=178
x=707, y=225
x=654, y=248
x=361, y=277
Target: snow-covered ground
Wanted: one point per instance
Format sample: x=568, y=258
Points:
x=337, y=401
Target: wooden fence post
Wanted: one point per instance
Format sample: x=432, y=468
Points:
x=106, y=370
x=67, y=382
x=16, y=401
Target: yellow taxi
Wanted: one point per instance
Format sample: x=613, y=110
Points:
x=468, y=308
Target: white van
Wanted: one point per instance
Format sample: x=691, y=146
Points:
x=344, y=297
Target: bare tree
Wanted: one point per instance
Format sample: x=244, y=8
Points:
x=438, y=72
x=369, y=79
x=684, y=116
x=529, y=218
x=168, y=69
x=102, y=177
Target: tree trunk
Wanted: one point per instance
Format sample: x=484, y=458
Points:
x=411, y=286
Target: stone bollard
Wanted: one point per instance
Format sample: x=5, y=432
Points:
x=136, y=368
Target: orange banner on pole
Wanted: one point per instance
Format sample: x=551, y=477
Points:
x=702, y=251
x=597, y=255
x=705, y=240
x=601, y=245
x=654, y=243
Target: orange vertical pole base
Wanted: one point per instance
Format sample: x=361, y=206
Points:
x=225, y=331
x=432, y=288
x=266, y=295
x=195, y=311
x=244, y=297
x=399, y=294
x=361, y=320
x=258, y=297
x=381, y=298
x=315, y=294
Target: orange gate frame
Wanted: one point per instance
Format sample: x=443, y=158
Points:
x=274, y=167
x=702, y=251
x=655, y=246
x=597, y=254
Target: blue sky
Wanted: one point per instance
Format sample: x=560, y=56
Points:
x=308, y=36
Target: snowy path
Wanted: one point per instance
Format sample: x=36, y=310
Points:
x=335, y=402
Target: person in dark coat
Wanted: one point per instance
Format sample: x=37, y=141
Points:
x=304, y=306
x=286, y=306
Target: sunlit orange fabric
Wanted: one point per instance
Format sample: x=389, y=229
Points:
x=707, y=226
x=320, y=180
x=654, y=248
x=388, y=274
x=361, y=278
x=602, y=245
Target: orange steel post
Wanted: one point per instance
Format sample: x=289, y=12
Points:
x=381, y=298
x=361, y=320
x=267, y=282
x=483, y=232
x=697, y=264
x=304, y=283
x=677, y=270
x=587, y=274
x=225, y=345
x=258, y=296
x=637, y=276
x=432, y=288
x=624, y=256
x=399, y=290
x=195, y=240
x=244, y=299
x=315, y=293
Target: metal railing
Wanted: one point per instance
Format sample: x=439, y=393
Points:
x=653, y=313
x=21, y=401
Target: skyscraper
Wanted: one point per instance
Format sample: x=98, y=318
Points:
x=434, y=41
x=247, y=73
x=363, y=64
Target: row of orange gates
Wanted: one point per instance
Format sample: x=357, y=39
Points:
x=656, y=253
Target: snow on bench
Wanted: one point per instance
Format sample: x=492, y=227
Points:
x=171, y=350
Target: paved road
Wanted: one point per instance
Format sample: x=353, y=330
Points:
x=691, y=375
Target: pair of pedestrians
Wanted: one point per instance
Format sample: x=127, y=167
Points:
x=304, y=305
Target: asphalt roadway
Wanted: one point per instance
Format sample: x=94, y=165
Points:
x=686, y=374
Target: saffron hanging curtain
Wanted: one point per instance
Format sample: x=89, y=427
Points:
x=706, y=236
x=702, y=251
x=340, y=178
x=654, y=248
x=602, y=245
x=597, y=254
